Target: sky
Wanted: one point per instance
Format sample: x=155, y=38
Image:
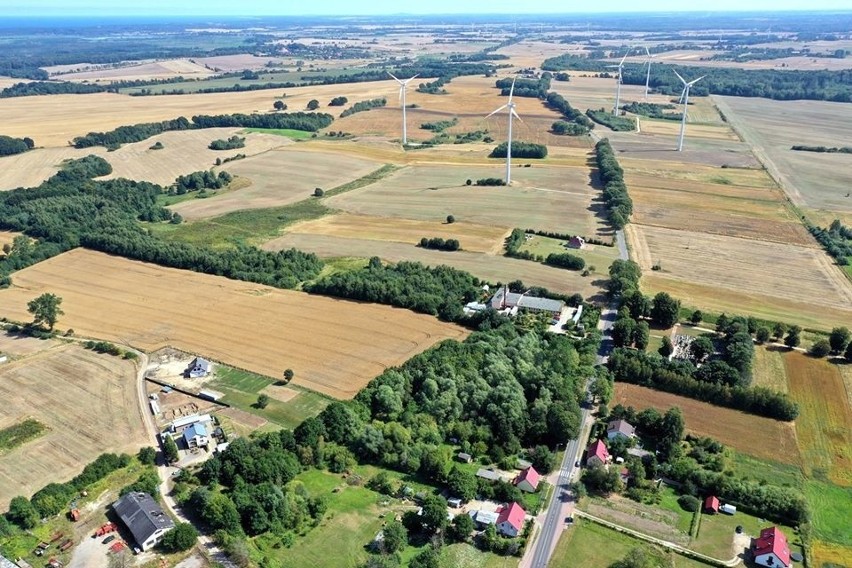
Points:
x=109, y=8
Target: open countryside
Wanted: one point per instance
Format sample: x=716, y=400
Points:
x=334, y=346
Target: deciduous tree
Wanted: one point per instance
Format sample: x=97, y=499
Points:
x=45, y=309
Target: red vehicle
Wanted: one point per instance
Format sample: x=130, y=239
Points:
x=66, y=545
x=104, y=529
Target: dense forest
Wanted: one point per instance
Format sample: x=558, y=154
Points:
x=70, y=209
x=618, y=202
x=770, y=83
x=528, y=150
x=10, y=146
x=310, y=122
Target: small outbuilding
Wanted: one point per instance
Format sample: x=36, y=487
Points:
x=487, y=474
x=576, y=242
x=527, y=480
x=711, y=505
x=464, y=457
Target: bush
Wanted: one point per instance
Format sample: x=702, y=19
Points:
x=490, y=181
x=338, y=101
x=182, y=537
x=689, y=503
x=450, y=219
x=820, y=349
x=318, y=192
x=231, y=143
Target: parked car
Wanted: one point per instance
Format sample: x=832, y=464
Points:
x=108, y=539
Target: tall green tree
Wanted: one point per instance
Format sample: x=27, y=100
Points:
x=839, y=339
x=665, y=310
x=170, y=449
x=666, y=348
x=45, y=309
x=22, y=513
x=182, y=537
x=395, y=537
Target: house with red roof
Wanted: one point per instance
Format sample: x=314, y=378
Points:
x=510, y=520
x=597, y=454
x=527, y=480
x=711, y=504
x=771, y=549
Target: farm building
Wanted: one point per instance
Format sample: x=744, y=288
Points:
x=510, y=520
x=504, y=300
x=197, y=368
x=597, y=454
x=454, y=502
x=209, y=394
x=5, y=563
x=146, y=521
x=771, y=549
x=711, y=504
x=527, y=480
x=620, y=428
x=484, y=518
x=487, y=474
x=576, y=242
x=464, y=458
x=195, y=436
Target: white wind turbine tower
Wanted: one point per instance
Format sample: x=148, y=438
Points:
x=403, y=83
x=648, y=73
x=620, y=67
x=684, y=96
x=512, y=114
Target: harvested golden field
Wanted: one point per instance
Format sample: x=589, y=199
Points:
x=541, y=197
x=672, y=128
x=771, y=273
x=488, y=267
x=472, y=237
x=762, y=219
x=6, y=238
x=731, y=427
x=701, y=177
x=824, y=425
x=130, y=71
x=815, y=180
x=62, y=117
x=278, y=177
x=89, y=404
x=31, y=168
x=334, y=346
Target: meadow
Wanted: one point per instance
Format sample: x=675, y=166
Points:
x=87, y=404
x=335, y=347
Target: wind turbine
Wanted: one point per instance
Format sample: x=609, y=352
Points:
x=512, y=114
x=648, y=74
x=684, y=96
x=402, y=85
x=620, y=67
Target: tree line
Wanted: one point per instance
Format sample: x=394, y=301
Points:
x=769, y=83
x=652, y=110
x=823, y=149
x=611, y=121
x=615, y=196
x=576, y=125
x=439, y=243
x=836, y=240
x=10, y=146
x=529, y=150
x=310, y=122
x=362, y=106
x=232, y=143
x=533, y=88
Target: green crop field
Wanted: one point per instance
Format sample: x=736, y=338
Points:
x=286, y=132
x=830, y=509
x=18, y=434
x=749, y=467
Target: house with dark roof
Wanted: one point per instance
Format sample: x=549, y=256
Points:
x=597, y=454
x=771, y=549
x=510, y=520
x=527, y=480
x=198, y=368
x=711, y=505
x=504, y=300
x=620, y=429
x=144, y=518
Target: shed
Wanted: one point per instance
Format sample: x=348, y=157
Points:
x=487, y=474
x=210, y=394
x=711, y=504
x=727, y=508
x=464, y=457
x=454, y=502
x=484, y=518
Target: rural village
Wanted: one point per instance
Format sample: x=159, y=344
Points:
x=427, y=291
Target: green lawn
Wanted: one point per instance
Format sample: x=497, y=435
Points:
x=588, y=545
x=241, y=389
x=669, y=502
x=467, y=556
x=749, y=467
x=286, y=132
x=716, y=534
x=830, y=507
x=598, y=256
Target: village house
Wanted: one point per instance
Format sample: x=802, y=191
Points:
x=576, y=242
x=144, y=518
x=527, y=480
x=195, y=436
x=771, y=549
x=510, y=520
x=197, y=368
x=620, y=428
x=597, y=454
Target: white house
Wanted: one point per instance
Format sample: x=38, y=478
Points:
x=198, y=368
x=620, y=429
x=510, y=520
x=195, y=436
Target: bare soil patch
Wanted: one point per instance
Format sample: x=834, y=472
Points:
x=87, y=400
x=282, y=393
x=731, y=427
x=244, y=418
x=334, y=346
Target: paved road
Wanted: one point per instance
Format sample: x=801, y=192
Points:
x=552, y=521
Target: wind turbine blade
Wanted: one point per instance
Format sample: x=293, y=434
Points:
x=498, y=110
x=515, y=114
x=401, y=90
x=648, y=53
x=625, y=57
x=682, y=93
x=695, y=81
x=679, y=77
x=512, y=89
x=394, y=77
